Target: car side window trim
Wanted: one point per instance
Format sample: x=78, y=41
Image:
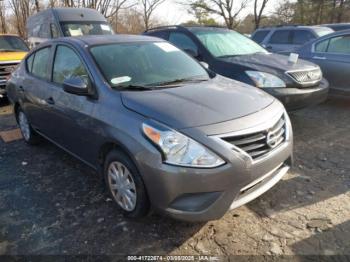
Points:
x=48, y=71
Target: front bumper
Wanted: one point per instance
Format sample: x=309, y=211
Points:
x=194, y=194
x=298, y=98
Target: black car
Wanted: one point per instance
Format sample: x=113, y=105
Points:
x=228, y=53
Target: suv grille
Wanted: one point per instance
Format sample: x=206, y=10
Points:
x=261, y=143
x=5, y=70
x=307, y=76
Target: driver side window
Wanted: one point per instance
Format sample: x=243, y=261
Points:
x=67, y=65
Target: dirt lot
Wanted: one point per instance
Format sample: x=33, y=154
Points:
x=52, y=204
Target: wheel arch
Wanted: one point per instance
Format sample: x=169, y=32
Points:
x=114, y=145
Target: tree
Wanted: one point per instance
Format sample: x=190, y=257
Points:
x=223, y=8
x=3, y=18
x=148, y=7
x=259, y=11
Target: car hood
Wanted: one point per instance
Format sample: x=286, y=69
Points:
x=269, y=63
x=197, y=104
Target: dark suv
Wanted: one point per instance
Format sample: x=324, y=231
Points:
x=235, y=56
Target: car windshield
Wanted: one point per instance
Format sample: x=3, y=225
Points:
x=12, y=44
x=225, y=43
x=323, y=31
x=146, y=64
x=86, y=28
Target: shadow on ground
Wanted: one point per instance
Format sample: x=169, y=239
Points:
x=331, y=242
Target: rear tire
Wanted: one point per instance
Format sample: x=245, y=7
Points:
x=125, y=185
x=28, y=133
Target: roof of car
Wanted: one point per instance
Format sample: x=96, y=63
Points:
x=71, y=14
x=107, y=39
x=336, y=24
x=291, y=27
x=190, y=28
x=336, y=33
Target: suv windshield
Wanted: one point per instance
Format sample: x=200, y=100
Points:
x=146, y=64
x=85, y=28
x=12, y=44
x=222, y=43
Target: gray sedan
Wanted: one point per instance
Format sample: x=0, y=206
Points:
x=161, y=129
x=332, y=54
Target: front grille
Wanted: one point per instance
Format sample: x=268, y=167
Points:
x=6, y=70
x=261, y=143
x=306, y=76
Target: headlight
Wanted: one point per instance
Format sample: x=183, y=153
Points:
x=181, y=150
x=262, y=79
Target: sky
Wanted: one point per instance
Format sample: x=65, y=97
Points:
x=172, y=12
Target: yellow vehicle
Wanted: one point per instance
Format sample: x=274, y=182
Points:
x=12, y=51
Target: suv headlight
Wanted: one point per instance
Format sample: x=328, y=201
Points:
x=181, y=150
x=262, y=79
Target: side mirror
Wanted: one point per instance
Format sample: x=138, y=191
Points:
x=76, y=85
x=192, y=52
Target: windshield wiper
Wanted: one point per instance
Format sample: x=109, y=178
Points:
x=178, y=81
x=134, y=87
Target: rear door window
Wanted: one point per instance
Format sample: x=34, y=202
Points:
x=41, y=63
x=302, y=36
x=340, y=44
x=281, y=37
x=260, y=36
x=322, y=46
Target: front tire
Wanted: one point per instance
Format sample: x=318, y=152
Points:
x=28, y=133
x=125, y=185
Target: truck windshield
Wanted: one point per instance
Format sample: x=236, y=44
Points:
x=85, y=28
x=225, y=43
x=146, y=65
x=12, y=44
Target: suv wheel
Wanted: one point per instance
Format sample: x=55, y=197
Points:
x=29, y=135
x=125, y=185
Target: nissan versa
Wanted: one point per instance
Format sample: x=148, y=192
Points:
x=233, y=55
x=165, y=132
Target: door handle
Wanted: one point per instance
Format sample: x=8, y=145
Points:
x=319, y=57
x=50, y=101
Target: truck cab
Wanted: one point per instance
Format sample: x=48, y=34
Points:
x=12, y=51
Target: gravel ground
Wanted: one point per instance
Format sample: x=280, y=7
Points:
x=52, y=204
